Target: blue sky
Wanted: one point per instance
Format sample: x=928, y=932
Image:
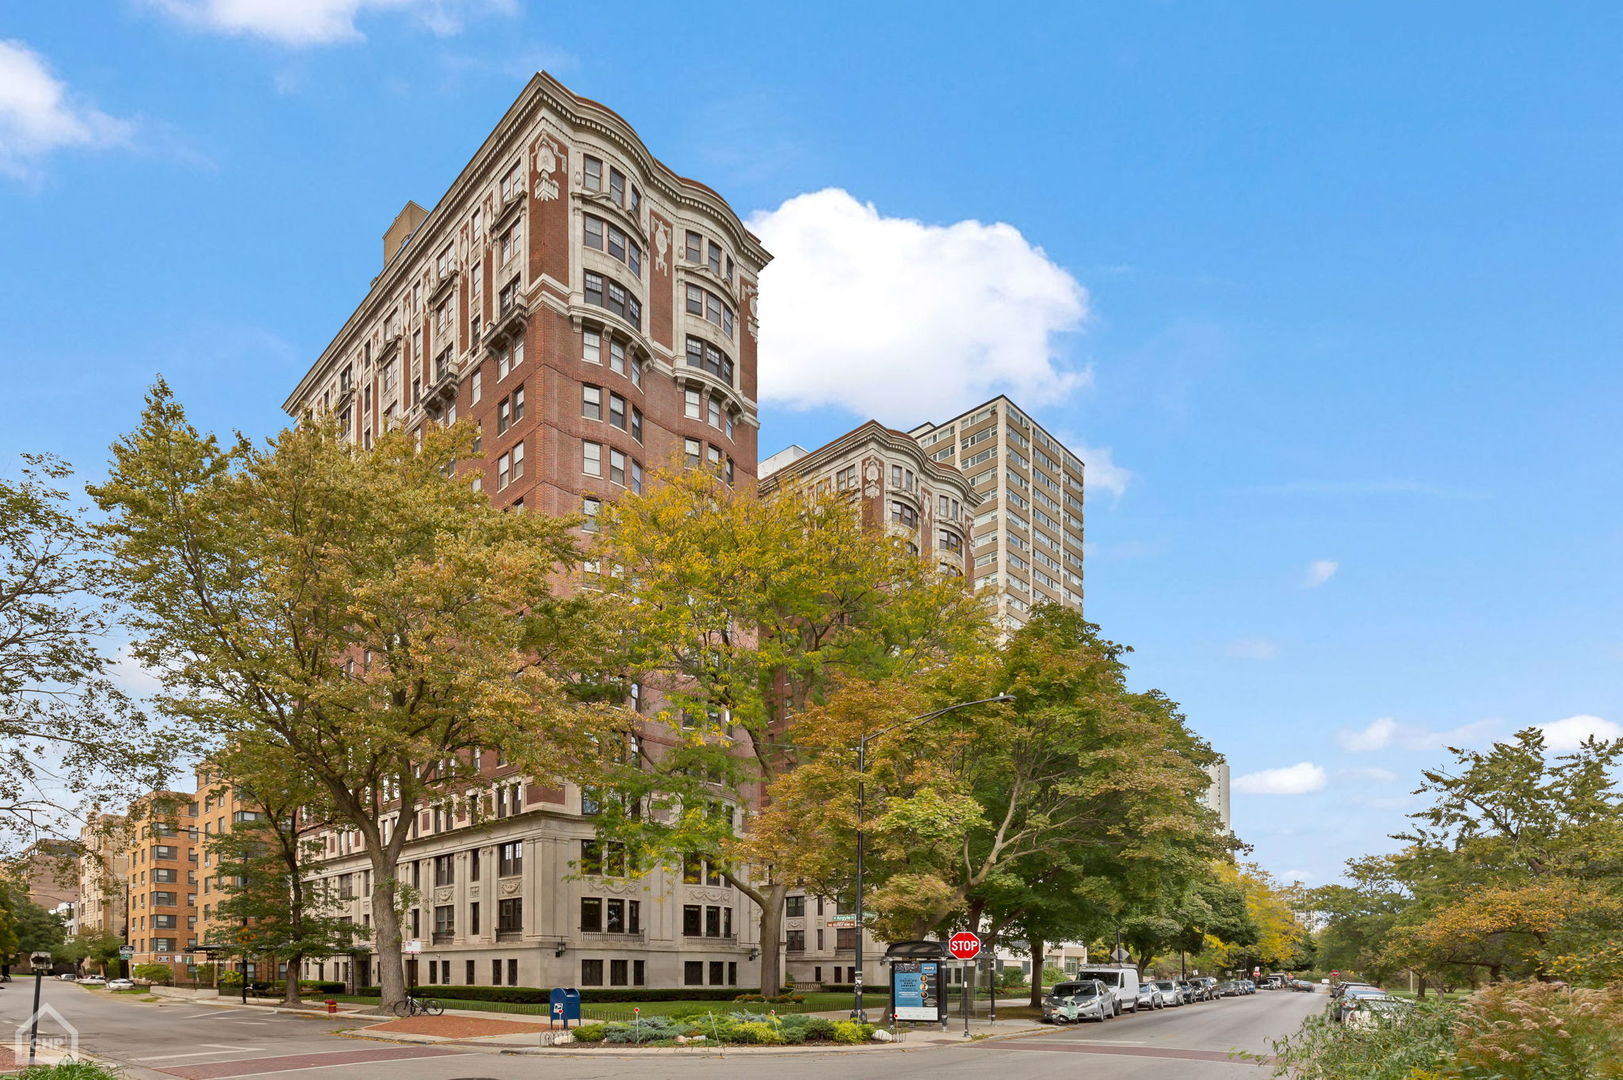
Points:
x=1324, y=294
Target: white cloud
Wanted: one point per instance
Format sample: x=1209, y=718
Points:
x=39, y=113
x=1570, y=733
x=1376, y=736
x=1298, y=779
x=878, y=315
x=1299, y=877
x=1253, y=648
x=1318, y=572
x=1101, y=473
x=321, y=22
x=1377, y=775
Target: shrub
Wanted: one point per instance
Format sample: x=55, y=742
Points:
x=849, y=1031
x=751, y=997
x=153, y=973
x=591, y=1033
x=755, y=1033
x=1539, y=1031
x=645, y=1030
x=1321, y=1050
x=779, y=999
x=535, y=995
x=819, y=1028
x=69, y=1070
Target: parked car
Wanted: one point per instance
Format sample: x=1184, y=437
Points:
x=1350, y=998
x=1196, y=990
x=1376, y=1010
x=120, y=984
x=1073, y=1002
x=1302, y=986
x=93, y=980
x=1150, y=997
x=1172, y=992
x=1122, y=979
x=1211, y=987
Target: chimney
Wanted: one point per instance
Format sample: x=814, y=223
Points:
x=405, y=223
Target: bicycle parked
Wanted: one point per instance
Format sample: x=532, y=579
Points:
x=417, y=1006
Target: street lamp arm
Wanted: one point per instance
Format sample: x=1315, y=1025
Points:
x=872, y=735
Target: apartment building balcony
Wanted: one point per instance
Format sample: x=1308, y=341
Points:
x=602, y=938
x=441, y=938
x=509, y=935
x=511, y=316
x=440, y=393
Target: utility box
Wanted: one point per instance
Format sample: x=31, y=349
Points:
x=565, y=1002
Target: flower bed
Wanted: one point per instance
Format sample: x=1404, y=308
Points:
x=728, y=1029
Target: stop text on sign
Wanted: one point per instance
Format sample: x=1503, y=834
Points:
x=964, y=945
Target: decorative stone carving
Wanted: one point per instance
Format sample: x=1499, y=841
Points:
x=752, y=303
x=662, y=242
x=509, y=886
x=546, y=163
x=442, y=895
x=473, y=891
x=616, y=886
x=716, y=895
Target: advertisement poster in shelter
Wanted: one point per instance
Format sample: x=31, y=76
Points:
x=915, y=989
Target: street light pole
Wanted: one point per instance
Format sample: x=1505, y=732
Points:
x=857, y=1011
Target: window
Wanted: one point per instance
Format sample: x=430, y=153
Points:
x=445, y=869
x=603, y=858
x=619, y=973
x=796, y=940
x=591, y=915
x=716, y=970
x=617, y=357
x=164, y=922
x=592, y=458
x=636, y=476
x=690, y=452
x=591, y=402
x=444, y=921
x=591, y=972
x=592, y=347
x=617, y=411
x=495, y=973
x=591, y=508
x=512, y=973
x=617, y=467
x=510, y=915
x=166, y=875
x=509, y=410
x=510, y=357
x=693, y=972
x=701, y=354
x=473, y=923
x=714, y=413
x=605, y=236
x=693, y=247
x=903, y=514
x=592, y=170
x=510, y=466
x=636, y=423
x=691, y=407
x=469, y=974
x=794, y=907
x=950, y=541
x=607, y=293
x=707, y=305
x=714, y=260
x=692, y=920
x=165, y=851
x=510, y=859
x=845, y=937
x=617, y=186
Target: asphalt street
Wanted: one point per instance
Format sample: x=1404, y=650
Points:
x=202, y=1042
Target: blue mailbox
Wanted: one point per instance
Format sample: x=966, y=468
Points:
x=565, y=1006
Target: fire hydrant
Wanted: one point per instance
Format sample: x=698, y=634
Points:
x=332, y=1007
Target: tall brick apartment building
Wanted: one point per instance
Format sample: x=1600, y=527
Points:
x=594, y=314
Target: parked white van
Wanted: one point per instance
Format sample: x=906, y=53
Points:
x=1122, y=980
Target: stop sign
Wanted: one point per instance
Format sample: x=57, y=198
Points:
x=964, y=945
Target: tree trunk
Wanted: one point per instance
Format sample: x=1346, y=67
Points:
x=1037, y=948
x=386, y=930
x=290, y=985
x=771, y=903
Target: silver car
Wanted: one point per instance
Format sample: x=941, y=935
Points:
x=1073, y=1002
x=1172, y=992
x=1150, y=996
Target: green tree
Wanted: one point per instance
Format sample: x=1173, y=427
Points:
x=1515, y=864
x=741, y=615
x=274, y=905
x=57, y=701
x=366, y=614
x=95, y=950
x=25, y=926
x=1027, y=818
